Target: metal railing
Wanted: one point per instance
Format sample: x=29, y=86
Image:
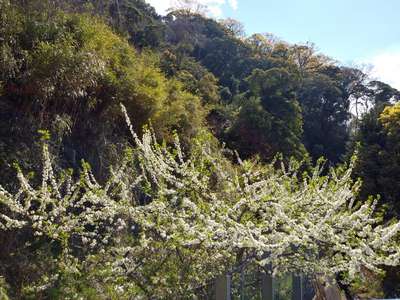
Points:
x=258, y=285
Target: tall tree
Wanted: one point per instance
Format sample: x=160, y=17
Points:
x=379, y=155
x=273, y=123
x=326, y=113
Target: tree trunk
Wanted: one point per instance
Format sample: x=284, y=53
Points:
x=327, y=290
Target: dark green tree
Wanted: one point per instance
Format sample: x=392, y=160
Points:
x=326, y=113
x=270, y=122
x=379, y=156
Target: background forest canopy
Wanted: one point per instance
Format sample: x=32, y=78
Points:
x=67, y=65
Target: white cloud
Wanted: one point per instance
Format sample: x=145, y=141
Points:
x=213, y=6
x=215, y=10
x=385, y=66
x=161, y=6
x=234, y=4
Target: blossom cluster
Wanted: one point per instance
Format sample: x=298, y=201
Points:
x=167, y=222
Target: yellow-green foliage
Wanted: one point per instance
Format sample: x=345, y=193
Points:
x=3, y=294
x=77, y=64
x=390, y=119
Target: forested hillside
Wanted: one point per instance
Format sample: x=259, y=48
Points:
x=103, y=202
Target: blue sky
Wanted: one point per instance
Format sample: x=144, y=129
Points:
x=351, y=31
x=345, y=29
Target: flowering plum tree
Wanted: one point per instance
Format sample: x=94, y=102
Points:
x=166, y=222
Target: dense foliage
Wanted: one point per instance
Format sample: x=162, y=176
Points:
x=68, y=73
x=65, y=68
